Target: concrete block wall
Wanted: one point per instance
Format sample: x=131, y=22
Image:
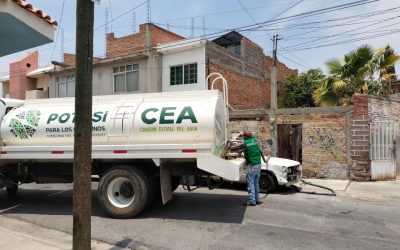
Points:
x=360, y=139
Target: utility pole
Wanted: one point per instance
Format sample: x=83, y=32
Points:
x=82, y=209
x=274, y=102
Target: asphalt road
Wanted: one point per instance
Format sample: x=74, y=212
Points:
x=216, y=219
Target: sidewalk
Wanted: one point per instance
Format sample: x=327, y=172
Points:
x=373, y=189
x=19, y=235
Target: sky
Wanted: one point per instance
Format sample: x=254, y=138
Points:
x=307, y=40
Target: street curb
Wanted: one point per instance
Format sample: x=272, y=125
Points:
x=45, y=237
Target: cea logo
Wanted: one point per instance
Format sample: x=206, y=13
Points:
x=166, y=115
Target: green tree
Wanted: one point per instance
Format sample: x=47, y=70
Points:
x=299, y=89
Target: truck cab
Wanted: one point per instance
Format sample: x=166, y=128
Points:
x=7, y=104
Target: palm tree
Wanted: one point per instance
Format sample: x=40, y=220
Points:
x=355, y=74
x=382, y=64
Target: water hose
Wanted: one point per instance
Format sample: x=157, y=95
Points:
x=315, y=185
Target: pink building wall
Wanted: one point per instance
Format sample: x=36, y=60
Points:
x=19, y=82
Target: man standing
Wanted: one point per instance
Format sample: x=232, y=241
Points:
x=253, y=155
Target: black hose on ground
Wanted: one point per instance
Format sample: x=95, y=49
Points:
x=315, y=185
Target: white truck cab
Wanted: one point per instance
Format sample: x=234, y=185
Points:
x=275, y=172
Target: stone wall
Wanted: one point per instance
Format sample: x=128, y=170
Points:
x=325, y=137
x=324, y=143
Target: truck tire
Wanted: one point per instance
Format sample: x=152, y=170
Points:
x=12, y=189
x=267, y=183
x=124, y=191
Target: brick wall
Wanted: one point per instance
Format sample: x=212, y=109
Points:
x=282, y=72
x=244, y=92
x=70, y=59
x=360, y=139
x=135, y=43
x=248, y=75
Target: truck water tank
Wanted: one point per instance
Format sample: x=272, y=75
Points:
x=156, y=118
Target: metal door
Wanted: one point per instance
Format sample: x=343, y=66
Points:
x=383, y=161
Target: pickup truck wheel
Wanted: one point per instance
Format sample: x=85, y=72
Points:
x=267, y=183
x=12, y=189
x=124, y=191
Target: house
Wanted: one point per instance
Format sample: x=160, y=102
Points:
x=157, y=60
x=26, y=27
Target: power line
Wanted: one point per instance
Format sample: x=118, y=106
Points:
x=348, y=41
x=301, y=15
x=251, y=16
x=307, y=14
x=341, y=33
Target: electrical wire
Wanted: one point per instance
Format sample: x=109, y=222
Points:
x=249, y=27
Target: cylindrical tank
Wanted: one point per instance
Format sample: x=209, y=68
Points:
x=157, y=118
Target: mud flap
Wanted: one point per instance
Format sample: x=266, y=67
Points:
x=165, y=181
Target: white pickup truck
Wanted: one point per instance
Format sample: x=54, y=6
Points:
x=276, y=172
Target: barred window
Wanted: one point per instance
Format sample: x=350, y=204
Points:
x=183, y=74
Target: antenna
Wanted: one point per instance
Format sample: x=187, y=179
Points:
x=192, y=27
x=62, y=44
x=134, y=22
x=167, y=26
x=204, y=27
x=148, y=11
x=106, y=31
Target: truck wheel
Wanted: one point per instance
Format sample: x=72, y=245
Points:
x=12, y=189
x=124, y=191
x=267, y=183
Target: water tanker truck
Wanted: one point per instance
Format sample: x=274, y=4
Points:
x=143, y=145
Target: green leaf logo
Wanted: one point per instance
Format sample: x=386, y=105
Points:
x=23, y=127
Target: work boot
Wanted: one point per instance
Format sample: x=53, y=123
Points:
x=259, y=202
x=248, y=203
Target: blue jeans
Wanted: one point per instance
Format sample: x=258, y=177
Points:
x=253, y=186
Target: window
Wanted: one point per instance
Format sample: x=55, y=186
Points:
x=126, y=78
x=65, y=86
x=183, y=74
x=235, y=48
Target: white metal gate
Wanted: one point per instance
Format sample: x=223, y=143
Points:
x=383, y=162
